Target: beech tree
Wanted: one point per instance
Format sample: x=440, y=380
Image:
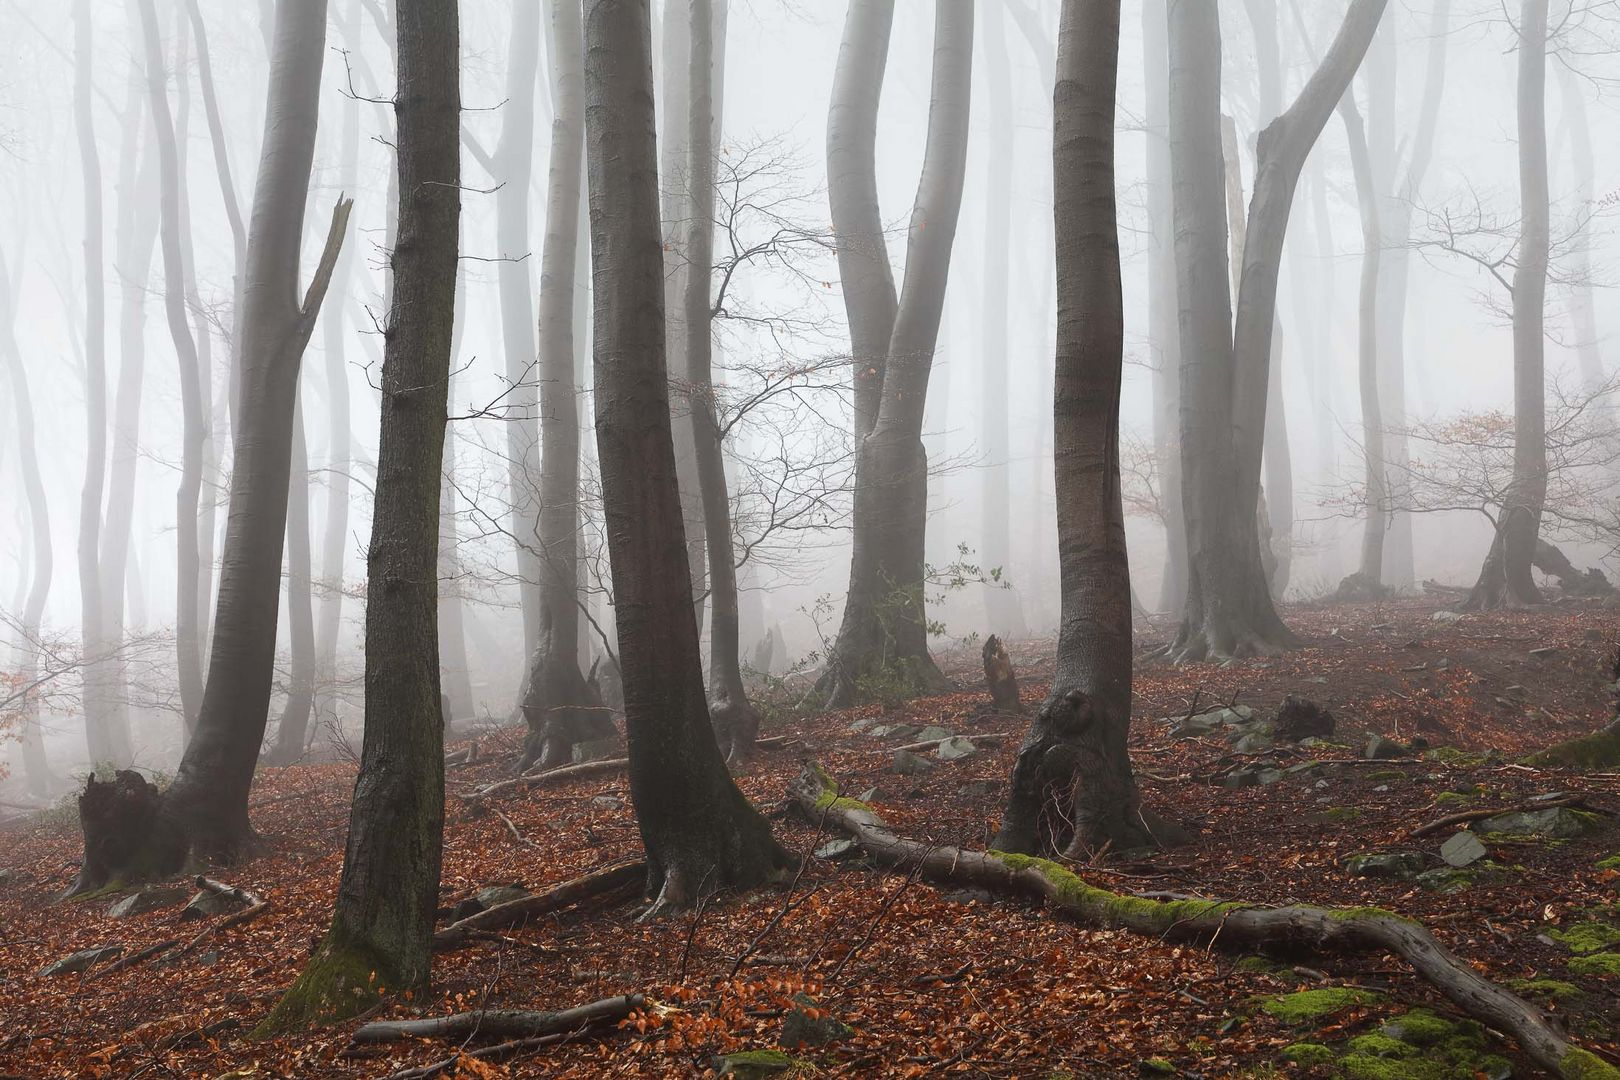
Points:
x=1225, y=364
x=884, y=631
x=382, y=925
x=131, y=830
x=699, y=830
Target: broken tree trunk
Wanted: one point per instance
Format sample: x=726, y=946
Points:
x=1232, y=925
x=1553, y=562
x=619, y=877
x=502, y=1023
x=1000, y=677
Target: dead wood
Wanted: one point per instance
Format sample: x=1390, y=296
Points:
x=994, y=739
x=550, y=776
x=133, y=958
x=259, y=907
x=1466, y=816
x=502, y=1023
x=241, y=896
x=1000, y=677
x=488, y=1053
x=1230, y=925
x=619, y=877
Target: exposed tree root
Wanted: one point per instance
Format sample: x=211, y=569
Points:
x=503, y=1023
x=1231, y=925
x=605, y=767
x=623, y=877
x=1480, y=815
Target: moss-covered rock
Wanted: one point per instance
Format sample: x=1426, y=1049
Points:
x=1308, y=1006
x=1605, y=964
x=1596, y=751
x=1586, y=937
x=759, y=1064
x=1255, y=964
x=1309, y=1054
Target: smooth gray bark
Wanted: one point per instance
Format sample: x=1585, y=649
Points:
x=292, y=729
x=1583, y=309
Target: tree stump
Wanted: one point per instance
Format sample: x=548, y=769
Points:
x=127, y=835
x=1000, y=677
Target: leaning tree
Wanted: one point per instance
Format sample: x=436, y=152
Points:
x=130, y=829
x=1077, y=741
x=699, y=830
x=884, y=632
x=1225, y=365
x=382, y=925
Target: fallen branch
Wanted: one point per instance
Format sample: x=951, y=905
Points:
x=608, y=879
x=132, y=959
x=241, y=896
x=775, y=742
x=550, y=776
x=1466, y=816
x=500, y=1050
x=259, y=907
x=1232, y=925
x=994, y=739
x=513, y=829
x=502, y=1023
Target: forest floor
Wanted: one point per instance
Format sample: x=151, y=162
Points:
x=933, y=980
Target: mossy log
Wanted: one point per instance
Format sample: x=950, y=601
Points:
x=503, y=1023
x=620, y=877
x=1235, y=926
x=1599, y=750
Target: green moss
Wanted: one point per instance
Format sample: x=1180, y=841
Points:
x=757, y=1064
x=1599, y=750
x=829, y=799
x=1377, y=1044
x=1550, y=989
x=1347, y=914
x=1452, y=798
x=1606, y=963
x=1451, y=755
x=1156, y=1066
x=1420, y=1027
x=1308, y=1054
x=1610, y=863
x=1305, y=1006
x=1585, y=1065
x=1586, y=937
x=1254, y=964
x=1337, y=814
x=340, y=981
x=1074, y=894
x=1371, y=1067
x=1385, y=776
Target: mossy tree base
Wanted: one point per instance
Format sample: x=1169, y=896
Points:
x=1230, y=925
x=340, y=981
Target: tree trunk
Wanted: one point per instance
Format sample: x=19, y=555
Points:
x=188, y=641
x=292, y=729
x=382, y=925
x=675, y=60
x=884, y=633
x=454, y=673
x=34, y=763
x=560, y=708
x=208, y=800
x=735, y=721
x=1003, y=613
x=1226, y=370
x=699, y=830
x=1583, y=310
x=1077, y=742
x=1163, y=335
x=1505, y=580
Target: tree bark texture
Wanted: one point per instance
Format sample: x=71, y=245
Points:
x=884, y=632
x=382, y=925
x=699, y=830
x=293, y=729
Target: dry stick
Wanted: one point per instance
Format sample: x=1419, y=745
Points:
x=511, y=828
x=505, y=1049
x=1232, y=925
x=259, y=907
x=1480, y=815
x=550, y=776
x=502, y=1023
x=240, y=895
x=594, y=883
x=133, y=959
x=995, y=739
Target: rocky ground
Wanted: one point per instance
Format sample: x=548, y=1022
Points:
x=871, y=973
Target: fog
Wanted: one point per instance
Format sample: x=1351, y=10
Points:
x=989, y=420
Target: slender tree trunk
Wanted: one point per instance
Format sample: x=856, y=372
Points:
x=292, y=729
x=1226, y=372
x=98, y=716
x=35, y=766
x=1003, y=613
x=1077, y=742
x=699, y=830
x=1371, y=572
x=1583, y=310
x=382, y=925
x=884, y=630
x=1163, y=335
x=188, y=641
x=205, y=810
x=1506, y=580
x=453, y=669
x=560, y=708
x=1322, y=368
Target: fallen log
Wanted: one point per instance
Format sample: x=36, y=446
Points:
x=1466, y=816
x=241, y=896
x=550, y=776
x=488, y=1053
x=993, y=739
x=608, y=879
x=1230, y=925
x=502, y=1023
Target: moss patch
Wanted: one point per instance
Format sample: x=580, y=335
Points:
x=1452, y=799
x=1337, y=815
x=1598, y=750
x=1610, y=863
x=1584, y=1065
x=1306, y=1006
x=1586, y=937
x=1419, y=1045
x=1308, y=1054
x=1073, y=893
x=1599, y=964
x=1546, y=989
x=1255, y=964
x=339, y=982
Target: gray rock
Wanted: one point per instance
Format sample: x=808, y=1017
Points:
x=801, y=1029
x=205, y=903
x=1446, y=880
x=955, y=747
x=1447, y=616
x=1194, y=727
x=1554, y=823
x=596, y=750
x=838, y=849
x=1267, y=777
x=933, y=733
x=1463, y=849
x=908, y=764
x=149, y=899
x=1242, y=778
x=486, y=898
x=1382, y=749
x=870, y=795
x=607, y=802
x=1401, y=865
x=754, y=1064
x=1253, y=743
x=74, y=963
x=863, y=724
x=899, y=731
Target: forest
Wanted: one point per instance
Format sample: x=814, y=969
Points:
x=1041, y=539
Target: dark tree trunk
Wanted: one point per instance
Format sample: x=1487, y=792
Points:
x=1505, y=581
x=884, y=632
x=1072, y=785
x=208, y=800
x=560, y=708
x=700, y=832
x=382, y=925
x=1226, y=370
